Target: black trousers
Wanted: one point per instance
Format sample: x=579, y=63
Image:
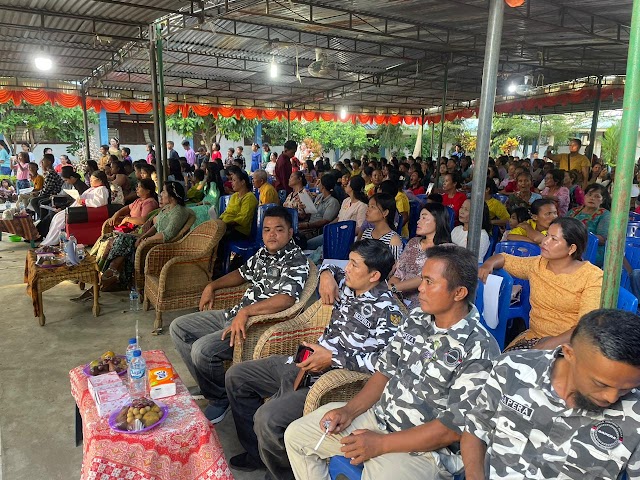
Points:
x=260, y=426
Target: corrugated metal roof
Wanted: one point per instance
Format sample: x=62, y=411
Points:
x=386, y=53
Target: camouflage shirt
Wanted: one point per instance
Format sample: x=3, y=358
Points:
x=432, y=374
x=532, y=433
x=361, y=326
x=283, y=272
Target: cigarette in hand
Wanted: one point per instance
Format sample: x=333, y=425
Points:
x=327, y=423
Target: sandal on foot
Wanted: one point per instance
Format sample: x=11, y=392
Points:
x=157, y=331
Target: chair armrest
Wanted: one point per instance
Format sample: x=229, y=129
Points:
x=159, y=255
x=334, y=386
x=229, y=297
x=284, y=337
x=106, y=228
x=186, y=270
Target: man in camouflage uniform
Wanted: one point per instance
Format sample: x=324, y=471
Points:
x=568, y=413
x=407, y=420
x=277, y=273
x=365, y=317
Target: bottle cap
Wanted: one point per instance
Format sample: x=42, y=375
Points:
x=132, y=341
x=137, y=353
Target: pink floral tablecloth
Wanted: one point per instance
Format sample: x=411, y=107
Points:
x=184, y=447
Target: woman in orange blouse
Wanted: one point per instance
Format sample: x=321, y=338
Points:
x=563, y=287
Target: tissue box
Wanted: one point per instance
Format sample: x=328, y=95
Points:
x=161, y=382
x=108, y=392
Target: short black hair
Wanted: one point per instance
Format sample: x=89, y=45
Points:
x=175, y=190
x=538, y=204
x=280, y=212
x=290, y=145
x=386, y=202
x=376, y=255
x=574, y=233
x=440, y=214
x=49, y=157
x=558, y=175
x=186, y=143
x=576, y=140
x=461, y=267
x=126, y=150
x=435, y=197
x=616, y=333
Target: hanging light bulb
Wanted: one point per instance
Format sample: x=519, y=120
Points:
x=343, y=113
x=512, y=88
x=43, y=63
x=273, y=69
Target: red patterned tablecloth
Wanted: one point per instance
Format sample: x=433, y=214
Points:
x=184, y=447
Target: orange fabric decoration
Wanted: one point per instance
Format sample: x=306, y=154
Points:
x=514, y=3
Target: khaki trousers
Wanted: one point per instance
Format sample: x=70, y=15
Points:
x=308, y=464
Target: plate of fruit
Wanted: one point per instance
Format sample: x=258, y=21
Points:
x=108, y=362
x=139, y=416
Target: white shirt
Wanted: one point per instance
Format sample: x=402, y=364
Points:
x=459, y=237
x=96, y=197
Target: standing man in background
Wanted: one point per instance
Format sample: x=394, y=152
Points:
x=283, y=166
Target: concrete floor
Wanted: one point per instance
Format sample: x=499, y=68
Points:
x=36, y=406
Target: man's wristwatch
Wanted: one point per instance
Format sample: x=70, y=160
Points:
x=394, y=289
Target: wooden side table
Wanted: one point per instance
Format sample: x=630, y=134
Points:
x=39, y=280
x=22, y=226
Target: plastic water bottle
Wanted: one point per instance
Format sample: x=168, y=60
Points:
x=138, y=376
x=134, y=304
x=62, y=239
x=132, y=347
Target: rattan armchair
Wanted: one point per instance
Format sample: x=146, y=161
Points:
x=176, y=273
x=146, y=245
x=258, y=324
x=284, y=339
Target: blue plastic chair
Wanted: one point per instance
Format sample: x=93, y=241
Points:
x=294, y=219
x=247, y=248
x=337, y=239
x=256, y=192
x=517, y=248
x=282, y=194
x=500, y=332
x=632, y=254
x=634, y=217
x=627, y=301
x=340, y=468
x=452, y=217
x=591, y=251
x=224, y=201
x=422, y=197
x=503, y=198
x=399, y=225
x=633, y=229
x=520, y=249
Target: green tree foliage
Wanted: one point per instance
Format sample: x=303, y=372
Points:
x=33, y=123
x=210, y=129
x=392, y=137
x=611, y=144
x=527, y=129
x=331, y=135
x=276, y=131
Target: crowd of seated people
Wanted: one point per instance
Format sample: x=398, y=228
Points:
x=440, y=399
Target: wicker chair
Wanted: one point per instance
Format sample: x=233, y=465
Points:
x=284, y=338
x=176, y=273
x=146, y=245
x=258, y=324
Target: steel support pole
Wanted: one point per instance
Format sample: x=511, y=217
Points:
x=85, y=124
x=444, y=106
x=624, y=167
x=594, y=123
x=433, y=134
x=288, y=122
x=485, y=120
x=156, y=104
x=161, y=111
